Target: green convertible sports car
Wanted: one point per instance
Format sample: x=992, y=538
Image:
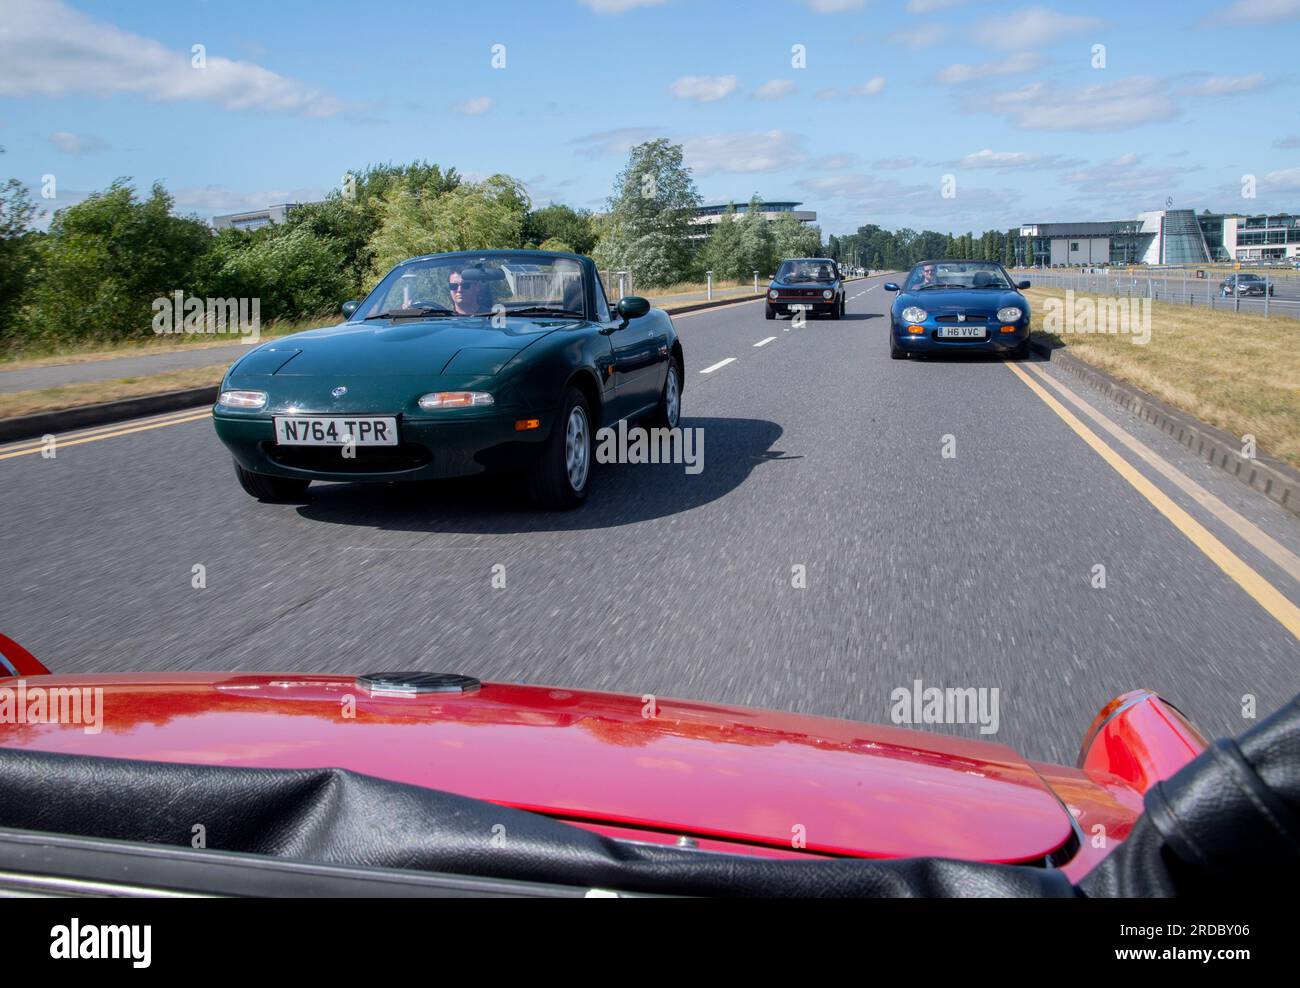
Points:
x=504, y=360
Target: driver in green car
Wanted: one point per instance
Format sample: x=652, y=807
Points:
x=466, y=296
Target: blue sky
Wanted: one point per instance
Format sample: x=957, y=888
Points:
x=893, y=96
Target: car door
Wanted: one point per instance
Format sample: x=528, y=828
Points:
x=640, y=358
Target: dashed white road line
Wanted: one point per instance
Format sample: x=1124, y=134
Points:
x=765, y=342
x=718, y=365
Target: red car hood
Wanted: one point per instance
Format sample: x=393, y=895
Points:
x=767, y=779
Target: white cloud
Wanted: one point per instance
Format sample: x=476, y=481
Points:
x=1007, y=160
x=618, y=6
x=1119, y=105
x=1257, y=11
x=921, y=37
x=1291, y=141
x=833, y=6
x=893, y=164
x=774, y=89
x=834, y=162
x=1123, y=179
x=742, y=152
x=872, y=87
x=1032, y=27
x=473, y=107
x=1226, y=85
x=1285, y=180
x=1014, y=64
x=703, y=88
x=929, y=6
x=70, y=143
x=49, y=49
x=618, y=141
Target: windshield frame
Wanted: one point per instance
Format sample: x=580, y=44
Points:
x=373, y=304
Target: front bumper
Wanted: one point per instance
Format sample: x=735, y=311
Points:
x=783, y=306
x=428, y=449
x=993, y=341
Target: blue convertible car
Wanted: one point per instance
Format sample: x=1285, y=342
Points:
x=958, y=305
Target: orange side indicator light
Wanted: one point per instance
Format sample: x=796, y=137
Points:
x=1008, y=329
x=523, y=425
x=916, y=329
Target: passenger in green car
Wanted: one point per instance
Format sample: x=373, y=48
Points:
x=465, y=295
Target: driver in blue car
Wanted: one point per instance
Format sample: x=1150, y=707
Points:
x=926, y=277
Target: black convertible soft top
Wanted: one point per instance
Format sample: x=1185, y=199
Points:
x=1226, y=819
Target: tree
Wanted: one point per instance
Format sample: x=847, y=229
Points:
x=561, y=223
x=648, y=225
x=721, y=251
x=794, y=239
x=18, y=252
x=472, y=216
x=108, y=257
x=757, y=243
x=290, y=270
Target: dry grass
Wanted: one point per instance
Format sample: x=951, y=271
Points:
x=166, y=343
x=1237, y=372
x=94, y=392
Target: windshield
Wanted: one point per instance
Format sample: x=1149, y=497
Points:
x=480, y=285
x=957, y=274
x=806, y=270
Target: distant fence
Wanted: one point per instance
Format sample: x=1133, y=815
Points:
x=1204, y=286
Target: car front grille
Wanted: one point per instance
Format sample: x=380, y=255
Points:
x=368, y=459
x=968, y=317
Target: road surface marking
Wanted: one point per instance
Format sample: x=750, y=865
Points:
x=718, y=365
x=61, y=443
x=1264, y=593
x=38, y=441
x=1286, y=560
x=765, y=342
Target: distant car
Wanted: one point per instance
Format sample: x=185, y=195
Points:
x=806, y=284
x=456, y=364
x=958, y=305
x=1245, y=285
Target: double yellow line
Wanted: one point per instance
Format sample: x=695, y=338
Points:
x=30, y=447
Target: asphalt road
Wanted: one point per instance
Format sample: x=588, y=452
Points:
x=820, y=452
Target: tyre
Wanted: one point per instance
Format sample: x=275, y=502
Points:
x=844, y=303
x=669, y=410
x=1020, y=351
x=769, y=312
x=836, y=310
x=560, y=478
x=896, y=352
x=264, y=487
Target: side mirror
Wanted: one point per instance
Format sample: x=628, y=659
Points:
x=891, y=286
x=1022, y=284
x=633, y=306
x=350, y=307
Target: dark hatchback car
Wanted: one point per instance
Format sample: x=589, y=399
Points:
x=806, y=284
x=1245, y=285
x=958, y=305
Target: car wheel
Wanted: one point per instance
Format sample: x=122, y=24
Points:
x=562, y=474
x=769, y=312
x=267, y=488
x=844, y=304
x=669, y=409
x=835, y=311
x=896, y=352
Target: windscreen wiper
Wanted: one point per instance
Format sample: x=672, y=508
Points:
x=412, y=312
x=545, y=310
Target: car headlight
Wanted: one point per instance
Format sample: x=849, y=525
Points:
x=772, y=293
x=828, y=294
x=251, y=400
x=1009, y=314
x=455, y=399
x=914, y=313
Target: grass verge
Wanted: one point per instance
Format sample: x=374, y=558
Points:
x=94, y=392
x=1237, y=372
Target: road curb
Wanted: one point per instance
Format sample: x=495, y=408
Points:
x=66, y=419
x=1274, y=479
x=696, y=306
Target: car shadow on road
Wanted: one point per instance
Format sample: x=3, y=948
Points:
x=620, y=494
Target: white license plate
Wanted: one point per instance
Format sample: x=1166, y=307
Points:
x=798, y=307
x=334, y=430
x=962, y=333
